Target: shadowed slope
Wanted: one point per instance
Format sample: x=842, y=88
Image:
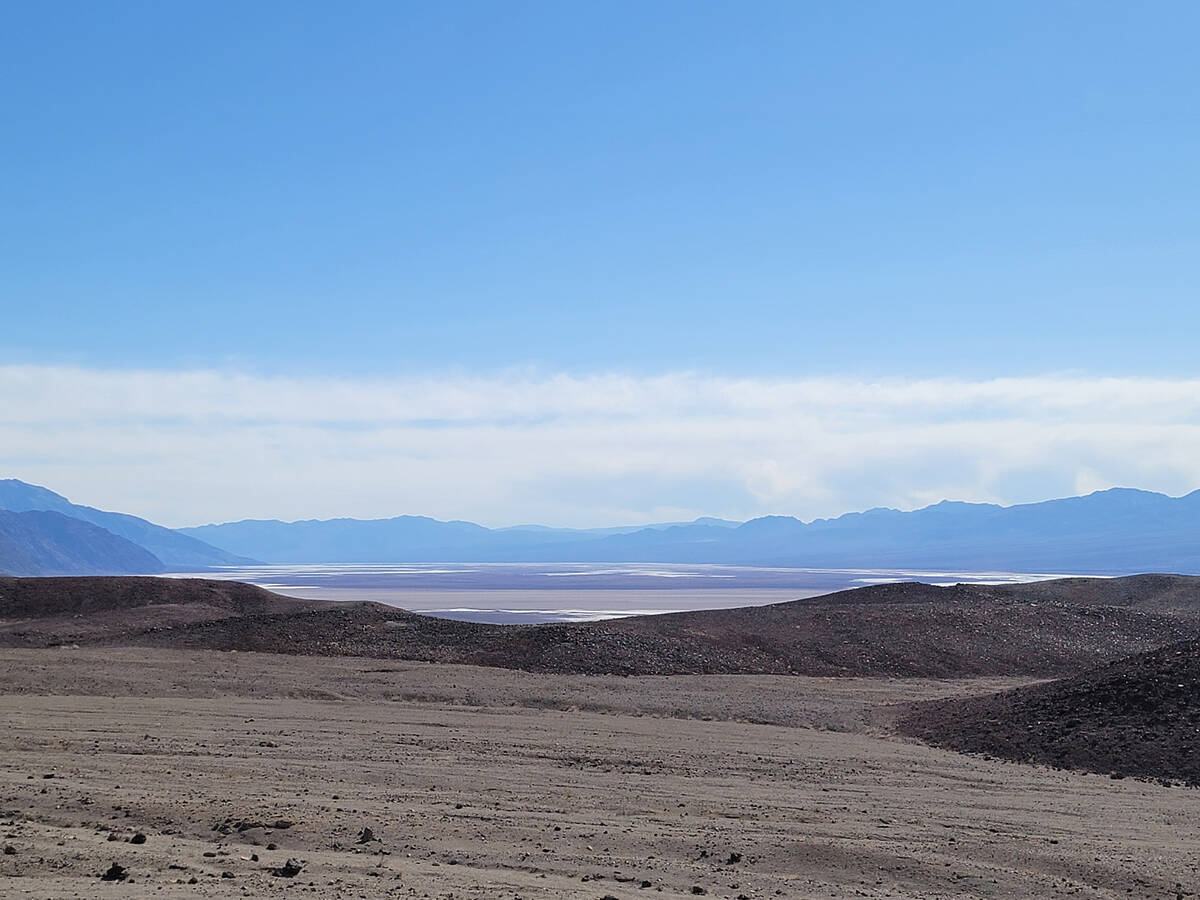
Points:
x=1138, y=716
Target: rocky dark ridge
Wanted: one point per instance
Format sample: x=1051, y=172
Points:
x=53, y=611
x=1052, y=628
x=1139, y=716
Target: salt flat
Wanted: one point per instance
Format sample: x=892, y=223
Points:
x=491, y=783
x=565, y=592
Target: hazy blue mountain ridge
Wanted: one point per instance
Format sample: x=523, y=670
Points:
x=174, y=550
x=1116, y=531
x=400, y=539
x=406, y=539
x=37, y=542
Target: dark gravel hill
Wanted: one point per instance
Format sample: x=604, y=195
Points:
x=40, y=612
x=892, y=629
x=44, y=598
x=1139, y=716
x=1139, y=591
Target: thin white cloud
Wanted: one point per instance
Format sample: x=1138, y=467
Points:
x=189, y=447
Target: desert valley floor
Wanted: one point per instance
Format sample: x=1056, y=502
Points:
x=386, y=778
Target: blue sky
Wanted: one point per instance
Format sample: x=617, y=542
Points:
x=885, y=188
x=367, y=198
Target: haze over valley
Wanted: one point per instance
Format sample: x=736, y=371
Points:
x=535, y=573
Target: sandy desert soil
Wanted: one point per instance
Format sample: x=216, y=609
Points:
x=491, y=783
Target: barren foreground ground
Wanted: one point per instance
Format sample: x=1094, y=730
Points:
x=490, y=783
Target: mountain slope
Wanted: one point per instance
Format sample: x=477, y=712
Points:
x=173, y=550
x=49, y=543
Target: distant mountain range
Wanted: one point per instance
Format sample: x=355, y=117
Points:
x=421, y=539
x=45, y=545
x=1118, y=531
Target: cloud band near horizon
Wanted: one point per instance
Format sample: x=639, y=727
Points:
x=188, y=447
